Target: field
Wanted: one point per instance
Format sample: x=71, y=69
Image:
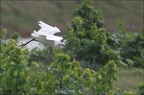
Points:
x=129, y=78
x=22, y=16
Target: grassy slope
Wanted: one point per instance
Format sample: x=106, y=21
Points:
x=22, y=16
x=128, y=11
x=129, y=79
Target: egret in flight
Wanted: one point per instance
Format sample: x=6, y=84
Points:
x=46, y=36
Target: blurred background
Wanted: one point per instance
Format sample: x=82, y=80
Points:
x=23, y=16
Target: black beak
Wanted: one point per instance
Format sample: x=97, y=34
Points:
x=67, y=47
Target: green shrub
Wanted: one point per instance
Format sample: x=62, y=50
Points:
x=140, y=89
x=88, y=40
x=131, y=46
x=14, y=71
x=20, y=75
x=45, y=55
x=65, y=77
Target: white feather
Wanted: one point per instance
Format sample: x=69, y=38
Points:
x=47, y=29
x=46, y=35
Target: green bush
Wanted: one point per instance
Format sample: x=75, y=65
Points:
x=45, y=55
x=131, y=46
x=64, y=75
x=93, y=46
x=140, y=89
x=88, y=40
x=13, y=66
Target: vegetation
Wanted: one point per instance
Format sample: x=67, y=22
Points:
x=87, y=36
x=22, y=16
x=95, y=61
x=62, y=76
x=90, y=43
x=129, y=78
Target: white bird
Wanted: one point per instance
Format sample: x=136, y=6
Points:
x=46, y=35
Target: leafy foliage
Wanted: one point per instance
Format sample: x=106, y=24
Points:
x=131, y=46
x=14, y=70
x=61, y=76
x=94, y=47
x=140, y=88
x=88, y=39
x=45, y=56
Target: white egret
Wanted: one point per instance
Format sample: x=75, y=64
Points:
x=46, y=36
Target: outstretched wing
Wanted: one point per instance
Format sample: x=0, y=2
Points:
x=54, y=38
x=47, y=29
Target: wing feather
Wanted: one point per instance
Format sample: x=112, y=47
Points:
x=47, y=29
x=55, y=38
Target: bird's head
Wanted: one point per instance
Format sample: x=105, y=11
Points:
x=61, y=45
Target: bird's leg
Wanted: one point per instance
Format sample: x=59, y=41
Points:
x=26, y=43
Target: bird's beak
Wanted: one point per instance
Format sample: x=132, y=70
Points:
x=66, y=47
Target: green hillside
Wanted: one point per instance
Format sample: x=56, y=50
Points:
x=23, y=16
